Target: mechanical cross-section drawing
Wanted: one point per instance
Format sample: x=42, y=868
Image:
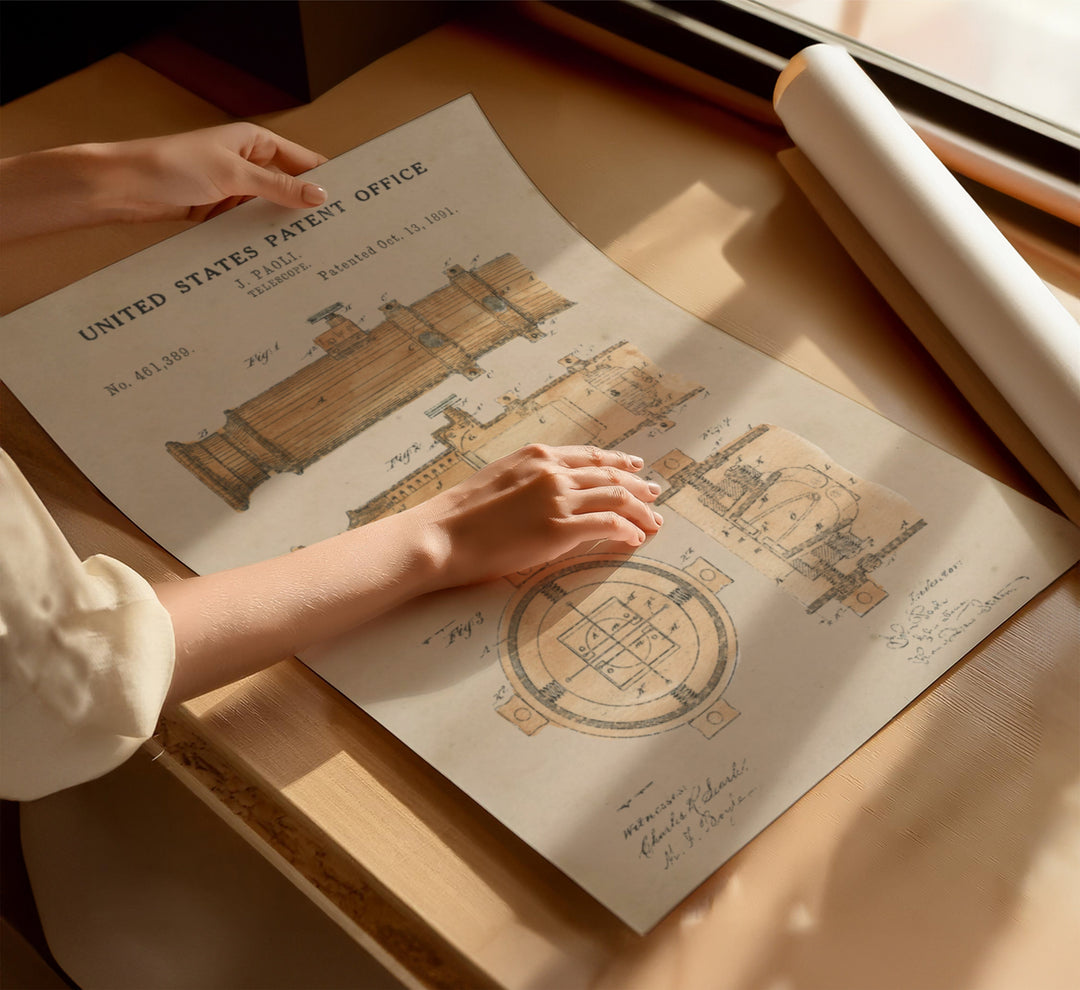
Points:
x=364, y=375
x=601, y=400
x=615, y=646
x=778, y=502
x=604, y=645
x=631, y=646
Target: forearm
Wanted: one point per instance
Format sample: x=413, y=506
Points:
x=233, y=623
x=178, y=177
x=522, y=510
x=46, y=191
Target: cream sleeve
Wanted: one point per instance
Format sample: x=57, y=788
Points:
x=86, y=653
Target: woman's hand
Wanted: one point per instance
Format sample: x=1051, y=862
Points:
x=189, y=176
x=522, y=510
x=202, y=173
x=535, y=505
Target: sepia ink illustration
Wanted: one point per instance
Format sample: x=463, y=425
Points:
x=616, y=646
x=778, y=502
x=364, y=375
x=604, y=645
x=630, y=646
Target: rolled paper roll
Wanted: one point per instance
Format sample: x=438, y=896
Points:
x=998, y=310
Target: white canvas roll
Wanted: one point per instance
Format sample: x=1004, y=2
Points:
x=992, y=302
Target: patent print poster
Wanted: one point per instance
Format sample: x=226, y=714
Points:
x=273, y=377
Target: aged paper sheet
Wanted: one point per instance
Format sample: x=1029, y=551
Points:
x=271, y=378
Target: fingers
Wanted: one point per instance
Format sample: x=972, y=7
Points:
x=605, y=496
x=621, y=502
x=278, y=161
x=600, y=477
x=588, y=456
x=243, y=160
x=532, y=507
x=199, y=174
x=272, y=149
x=278, y=187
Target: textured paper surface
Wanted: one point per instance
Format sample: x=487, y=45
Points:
x=270, y=378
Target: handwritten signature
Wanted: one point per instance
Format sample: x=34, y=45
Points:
x=933, y=624
x=688, y=812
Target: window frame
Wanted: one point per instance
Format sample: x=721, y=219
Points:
x=744, y=44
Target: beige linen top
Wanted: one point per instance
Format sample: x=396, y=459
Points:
x=86, y=653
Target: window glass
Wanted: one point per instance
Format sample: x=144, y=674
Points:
x=1022, y=53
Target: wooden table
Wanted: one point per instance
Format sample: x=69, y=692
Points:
x=944, y=853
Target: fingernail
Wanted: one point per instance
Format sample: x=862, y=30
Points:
x=312, y=194
x=659, y=518
x=654, y=488
x=636, y=461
